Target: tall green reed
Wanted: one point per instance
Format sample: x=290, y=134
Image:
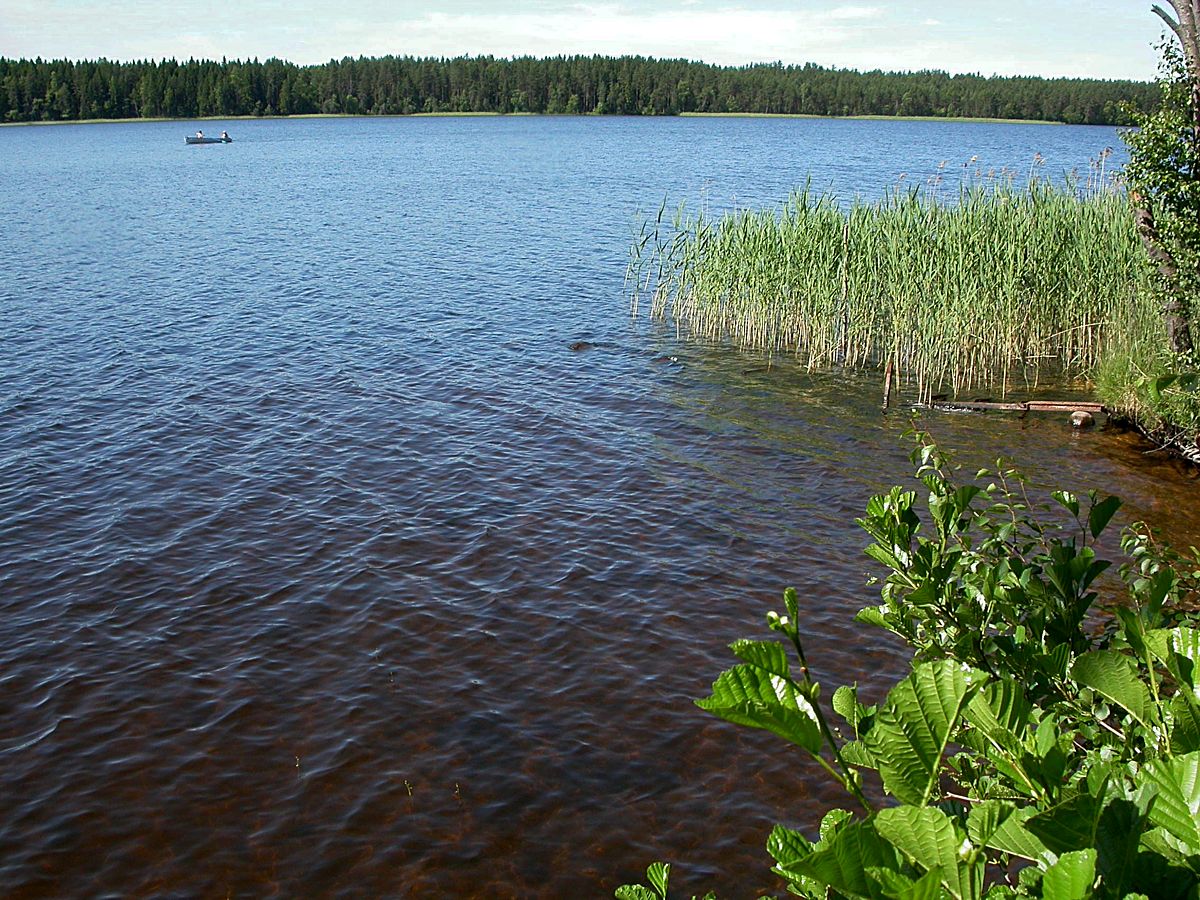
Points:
x=990, y=287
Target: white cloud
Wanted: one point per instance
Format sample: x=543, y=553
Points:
x=730, y=36
x=862, y=34
x=855, y=12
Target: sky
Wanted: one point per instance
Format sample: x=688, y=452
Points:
x=1098, y=39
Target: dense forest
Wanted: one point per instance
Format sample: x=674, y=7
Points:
x=44, y=90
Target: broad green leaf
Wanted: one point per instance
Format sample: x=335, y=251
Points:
x=891, y=883
x=1055, y=662
x=913, y=727
x=1166, y=845
x=657, y=874
x=635, y=892
x=885, y=556
x=927, y=887
x=832, y=821
x=1115, y=676
x=1001, y=713
x=963, y=497
x=768, y=655
x=1101, y=513
x=1070, y=825
x=791, y=603
x=872, y=615
x=927, y=836
x=1177, y=806
x=747, y=695
x=895, y=886
x=842, y=865
x=1160, y=384
x=1154, y=874
x=1185, y=730
x=1012, y=837
x=1133, y=628
x=1183, y=640
x=1154, y=590
x=1179, y=648
x=788, y=847
x=1118, y=839
x=1048, y=766
x=1046, y=736
x=856, y=753
x=1067, y=500
x=845, y=704
x=985, y=819
x=1100, y=774
x=1072, y=877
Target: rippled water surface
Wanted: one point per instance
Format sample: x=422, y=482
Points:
x=354, y=540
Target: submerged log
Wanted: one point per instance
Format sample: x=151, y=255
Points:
x=1069, y=406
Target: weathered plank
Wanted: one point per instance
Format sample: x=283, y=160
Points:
x=1025, y=406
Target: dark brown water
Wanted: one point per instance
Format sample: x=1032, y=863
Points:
x=327, y=567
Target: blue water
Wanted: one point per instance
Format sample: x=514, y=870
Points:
x=354, y=539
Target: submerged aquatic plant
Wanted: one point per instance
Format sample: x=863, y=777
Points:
x=985, y=288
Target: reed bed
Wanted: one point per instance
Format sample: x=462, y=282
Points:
x=990, y=287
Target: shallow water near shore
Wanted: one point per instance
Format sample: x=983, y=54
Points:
x=330, y=568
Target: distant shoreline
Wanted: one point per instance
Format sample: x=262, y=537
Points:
x=247, y=118
x=553, y=85
x=873, y=118
x=476, y=115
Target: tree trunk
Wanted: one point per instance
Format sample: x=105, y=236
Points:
x=1175, y=312
x=1174, y=309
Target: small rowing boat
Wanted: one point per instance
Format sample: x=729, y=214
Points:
x=199, y=138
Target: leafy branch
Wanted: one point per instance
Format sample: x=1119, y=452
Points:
x=1025, y=754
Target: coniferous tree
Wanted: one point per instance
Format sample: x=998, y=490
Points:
x=32, y=90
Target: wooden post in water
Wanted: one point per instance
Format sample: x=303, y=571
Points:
x=887, y=383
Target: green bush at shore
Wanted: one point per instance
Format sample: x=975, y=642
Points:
x=1028, y=752
x=1155, y=376
x=1150, y=386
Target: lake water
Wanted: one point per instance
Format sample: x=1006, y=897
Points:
x=328, y=567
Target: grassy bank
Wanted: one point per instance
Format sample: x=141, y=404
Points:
x=1136, y=378
x=991, y=287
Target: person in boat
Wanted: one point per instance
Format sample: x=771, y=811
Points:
x=224, y=135
x=199, y=134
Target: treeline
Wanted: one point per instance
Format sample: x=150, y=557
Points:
x=43, y=90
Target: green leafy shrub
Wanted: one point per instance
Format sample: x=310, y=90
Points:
x=1164, y=171
x=1036, y=748
x=1151, y=372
